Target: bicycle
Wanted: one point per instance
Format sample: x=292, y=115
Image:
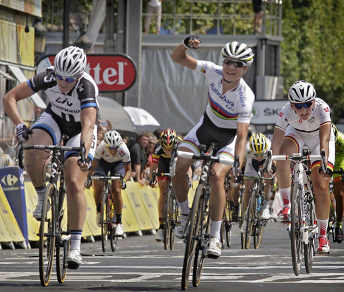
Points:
x=333, y=215
x=107, y=210
x=170, y=212
x=303, y=227
x=52, y=233
x=197, y=236
x=254, y=223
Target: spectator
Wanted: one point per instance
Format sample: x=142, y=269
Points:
x=258, y=16
x=157, y=133
x=149, y=151
x=102, y=128
x=153, y=7
x=139, y=158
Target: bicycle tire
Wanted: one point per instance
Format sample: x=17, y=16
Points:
x=258, y=228
x=241, y=210
x=190, y=246
x=168, y=215
x=228, y=226
x=309, y=248
x=222, y=233
x=113, y=239
x=200, y=253
x=250, y=217
x=174, y=219
x=105, y=223
x=63, y=246
x=46, y=232
x=296, y=223
x=201, y=247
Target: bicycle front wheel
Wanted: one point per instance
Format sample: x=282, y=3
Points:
x=295, y=232
x=200, y=252
x=228, y=225
x=168, y=216
x=113, y=239
x=105, y=221
x=250, y=219
x=309, y=248
x=63, y=246
x=174, y=218
x=258, y=229
x=46, y=234
x=191, y=241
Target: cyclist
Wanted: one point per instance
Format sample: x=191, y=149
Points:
x=338, y=188
x=256, y=155
x=112, y=155
x=161, y=161
x=226, y=120
x=72, y=110
x=305, y=120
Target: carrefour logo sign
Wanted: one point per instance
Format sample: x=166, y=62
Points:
x=9, y=180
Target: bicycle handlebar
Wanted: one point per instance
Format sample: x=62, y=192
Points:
x=190, y=155
x=107, y=177
x=155, y=175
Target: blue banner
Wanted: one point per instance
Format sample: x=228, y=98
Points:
x=12, y=183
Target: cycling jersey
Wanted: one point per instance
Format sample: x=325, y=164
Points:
x=222, y=114
x=161, y=158
x=62, y=115
x=306, y=132
x=252, y=163
x=339, y=163
x=102, y=152
x=320, y=115
x=225, y=110
x=66, y=105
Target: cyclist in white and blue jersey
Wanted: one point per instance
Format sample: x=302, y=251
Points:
x=226, y=121
x=72, y=110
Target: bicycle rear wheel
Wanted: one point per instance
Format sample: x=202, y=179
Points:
x=191, y=241
x=105, y=221
x=46, y=233
x=250, y=219
x=113, y=239
x=174, y=218
x=168, y=216
x=241, y=211
x=295, y=232
x=227, y=225
x=63, y=246
x=258, y=229
x=202, y=245
x=309, y=249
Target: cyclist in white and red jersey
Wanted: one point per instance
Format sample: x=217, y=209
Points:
x=226, y=121
x=306, y=121
x=72, y=110
x=112, y=155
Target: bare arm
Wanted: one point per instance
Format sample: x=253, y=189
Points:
x=277, y=140
x=10, y=100
x=180, y=56
x=127, y=168
x=324, y=135
x=88, y=118
x=240, y=144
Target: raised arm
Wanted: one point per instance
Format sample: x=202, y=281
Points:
x=180, y=55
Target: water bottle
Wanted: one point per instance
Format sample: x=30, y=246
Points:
x=112, y=210
x=259, y=202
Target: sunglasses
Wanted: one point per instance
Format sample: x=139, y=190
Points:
x=67, y=79
x=236, y=64
x=260, y=154
x=301, y=105
x=113, y=148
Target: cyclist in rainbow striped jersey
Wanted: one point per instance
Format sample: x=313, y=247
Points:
x=226, y=120
x=305, y=121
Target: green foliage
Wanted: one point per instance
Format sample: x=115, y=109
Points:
x=312, y=49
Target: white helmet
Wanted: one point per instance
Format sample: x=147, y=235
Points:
x=112, y=139
x=301, y=92
x=238, y=52
x=70, y=62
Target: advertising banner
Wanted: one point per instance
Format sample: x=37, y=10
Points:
x=111, y=72
x=12, y=183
